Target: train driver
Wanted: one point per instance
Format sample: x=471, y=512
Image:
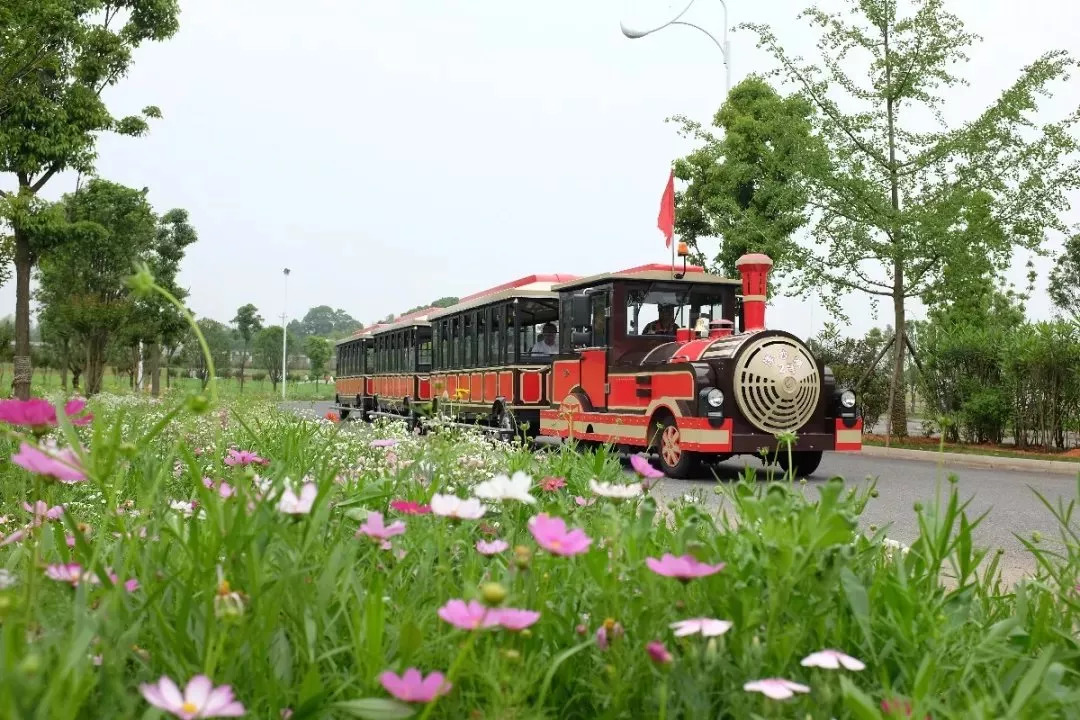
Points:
x=664, y=324
x=545, y=344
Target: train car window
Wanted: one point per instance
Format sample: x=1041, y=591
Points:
x=495, y=335
x=424, y=349
x=481, y=337
x=662, y=308
x=538, y=330
x=468, y=335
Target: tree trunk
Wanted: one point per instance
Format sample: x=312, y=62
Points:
x=64, y=360
x=20, y=384
x=897, y=415
x=95, y=363
x=155, y=369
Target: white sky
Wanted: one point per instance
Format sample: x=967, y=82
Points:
x=391, y=152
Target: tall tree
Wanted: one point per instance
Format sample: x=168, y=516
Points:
x=218, y=340
x=318, y=351
x=268, y=351
x=82, y=277
x=54, y=115
x=1065, y=279
x=887, y=193
x=248, y=323
x=741, y=186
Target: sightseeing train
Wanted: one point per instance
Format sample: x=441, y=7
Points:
x=671, y=361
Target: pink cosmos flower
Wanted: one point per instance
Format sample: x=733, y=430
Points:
x=583, y=502
x=69, y=573
x=39, y=414
x=410, y=508
x=491, y=548
x=684, y=568
x=374, y=528
x=551, y=534
x=515, y=619
x=244, y=457
x=551, y=484
x=14, y=537
x=41, y=510
x=775, y=688
x=832, y=660
x=383, y=442
x=50, y=461
x=658, y=653
x=200, y=699
x=291, y=504
x=414, y=687
x=468, y=616
x=644, y=468
x=706, y=626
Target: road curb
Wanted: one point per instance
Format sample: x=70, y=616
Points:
x=1059, y=467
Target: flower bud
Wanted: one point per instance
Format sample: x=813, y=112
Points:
x=511, y=655
x=492, y=593
x=198, y=403
x=522, y=557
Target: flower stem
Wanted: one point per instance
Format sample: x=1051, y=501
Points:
x=450, y=674
x=663, y=699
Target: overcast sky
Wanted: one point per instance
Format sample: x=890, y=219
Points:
x=391, y=152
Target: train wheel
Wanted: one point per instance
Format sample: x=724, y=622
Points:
x=805, y=462
x=507, y=430
x=675, y=461
x=343, y=415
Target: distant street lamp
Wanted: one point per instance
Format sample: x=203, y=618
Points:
x=725, y=46
x=284, y=333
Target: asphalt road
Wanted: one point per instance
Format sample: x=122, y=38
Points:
x=1006, y=494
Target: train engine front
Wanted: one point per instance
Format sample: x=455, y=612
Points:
x=759, y=389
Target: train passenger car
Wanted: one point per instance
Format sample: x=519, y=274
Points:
x=682, y=364
x=381, y=369
x=492, y=355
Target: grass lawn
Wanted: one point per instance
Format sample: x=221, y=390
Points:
x=935, y=445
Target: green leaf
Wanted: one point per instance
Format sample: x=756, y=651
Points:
x=858, y=702
x=375, y=708
x=1030, y=682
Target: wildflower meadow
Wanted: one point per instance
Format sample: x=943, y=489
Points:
x=186, y=558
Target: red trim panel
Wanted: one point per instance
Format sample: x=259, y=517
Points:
x=849, y=438
x=531, y=387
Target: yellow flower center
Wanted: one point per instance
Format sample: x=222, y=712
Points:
x=189, y=707
x=554, y=543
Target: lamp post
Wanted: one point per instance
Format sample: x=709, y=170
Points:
x=725, y=46
x=284, y=334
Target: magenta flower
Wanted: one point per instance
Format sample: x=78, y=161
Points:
x=414, y=687
x=775, y=688
x=41, y=510
x=410, y=508
x=684, y=568
x=39, y=414
x=551, y=534
x=491, y=548
x=244, y=457
x=551, y=484
x=50, y=461
x=14, y=537
x=468, y=616
x=374, y=528
x=200, y=699
x=515, y=619
x=644, y=468
x=658, y=653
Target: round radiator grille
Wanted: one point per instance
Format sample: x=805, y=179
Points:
x=777, y=384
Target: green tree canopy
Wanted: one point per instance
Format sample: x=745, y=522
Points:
x=318, y=351
x=889, y=195
x=248, y=322
x=742, y=187
x=52, y=116
x=1065, y=279
x=268, y=351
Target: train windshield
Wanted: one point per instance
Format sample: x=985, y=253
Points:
x=662, y=308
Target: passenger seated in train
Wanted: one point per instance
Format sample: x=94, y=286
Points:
x=546, y=344
x=664, y=324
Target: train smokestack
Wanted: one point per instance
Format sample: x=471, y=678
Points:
x=754, y=268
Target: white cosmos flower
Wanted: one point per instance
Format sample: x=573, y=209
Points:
x=776, y=688
x=613, y=490
x=298, y=505
x=708, y=627
x=501, y=487
x=832, y=660
x=455, y=507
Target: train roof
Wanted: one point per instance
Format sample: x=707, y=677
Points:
x=656, y=272
x=416, y=317
x=538, y=286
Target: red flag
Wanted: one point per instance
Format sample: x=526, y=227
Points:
x=666, y=219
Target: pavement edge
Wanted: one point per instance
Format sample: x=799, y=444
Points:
x=996, y=462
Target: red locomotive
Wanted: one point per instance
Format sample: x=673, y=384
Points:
x=678, y=363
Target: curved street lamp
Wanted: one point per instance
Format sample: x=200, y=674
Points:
x=725, y=46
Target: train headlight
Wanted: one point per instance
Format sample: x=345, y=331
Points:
x=714, y=398
x=847, y=399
